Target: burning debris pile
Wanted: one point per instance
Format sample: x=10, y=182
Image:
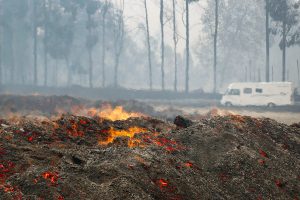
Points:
x=49, y=106
x=123, y=155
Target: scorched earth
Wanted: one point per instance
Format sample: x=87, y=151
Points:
x=135, y=156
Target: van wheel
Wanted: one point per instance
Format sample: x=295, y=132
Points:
x=228, y=104
x=271, y=105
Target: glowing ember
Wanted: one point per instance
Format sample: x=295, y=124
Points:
x=60, y=198
x=168, y=144
x=261, y=162
x=8, y=188
x=278, y=183
x=224, y=177
x=115, y=114
x=162, y=183
x=30, y=139
x=6, y=170
x=188, y=164
x=74, y=132
x=263, y=153
x=130, y=133
x=51, y=176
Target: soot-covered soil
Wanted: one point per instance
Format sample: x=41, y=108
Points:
x=73, y=157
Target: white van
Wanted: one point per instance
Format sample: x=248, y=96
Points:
x=259, y=94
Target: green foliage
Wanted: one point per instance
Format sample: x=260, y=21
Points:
x=286, y=11
x=240, y=37
x=279, y=9
x=92, y=6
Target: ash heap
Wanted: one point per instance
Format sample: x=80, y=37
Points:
x=113, y=153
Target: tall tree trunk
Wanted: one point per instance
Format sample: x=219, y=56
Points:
x=46, y=66
x=35, y=44
x=69, y=83
x=175, y=39
x=267, y=41
x=148, y=45
x=103, y=51
x=215, y=44
x=162, y=44
x=104, y=44
x=55, y=72
x=90, y=68
x=90, y=55
x=250, y=71
x=246, y=73
x=187, y=47
x=1, y=70
x=119, y=41
x=116, y=80
x=272, y=73
x=298, y=72
x=284, y=50
x=118, y=55
x=12, y=73
x=45, y=45
x=254, y=73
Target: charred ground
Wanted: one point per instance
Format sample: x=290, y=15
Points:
x=89, y=157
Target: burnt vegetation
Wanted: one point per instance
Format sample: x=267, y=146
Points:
x=99, y=156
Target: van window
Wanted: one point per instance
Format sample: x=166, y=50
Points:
x=234, y=92
x=259, y=90
x=247, y=90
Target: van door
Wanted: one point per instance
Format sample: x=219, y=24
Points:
x=247, y=97
x=260, y=96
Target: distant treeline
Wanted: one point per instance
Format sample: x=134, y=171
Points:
x=87, y=43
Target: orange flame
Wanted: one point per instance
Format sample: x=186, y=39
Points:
x=130, y=133
x=105, y=112
x=214, y=112
x=118, y=113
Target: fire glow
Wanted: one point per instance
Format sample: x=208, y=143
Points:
x=162, y=183
x=51, y=176
x=130, y=133
x=113, y=114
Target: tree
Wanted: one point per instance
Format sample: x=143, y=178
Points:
x=1, y=70
x=285, y=13
x=215, y=43
x=46, y=7
x=105, y=8
x=187, y=44
x=92, y=39
x=148, y=44
x=60, y=35
x=119, y=31
x=35, y=26
x=162, y=44
x=15, y=30
x=240, y=25
x=187, y=28
x=175, y=40
x=39, y=21
x=267, y=41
